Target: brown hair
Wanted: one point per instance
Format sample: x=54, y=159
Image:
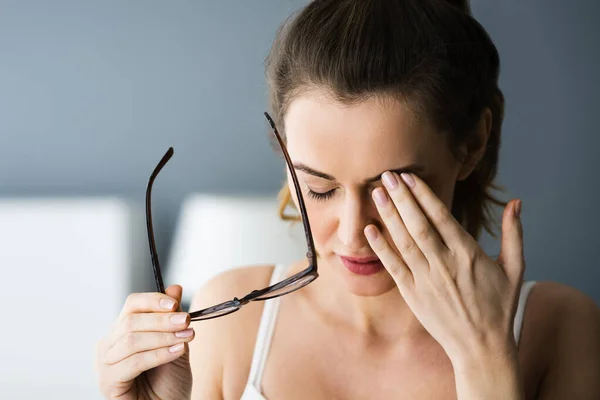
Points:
x=431, y=54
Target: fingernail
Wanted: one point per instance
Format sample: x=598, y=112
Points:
x=518, y=209
x=185, y=333
x=389, y=180
x=408, y=179
x=178, y=319
x=380, y=197
x=167, y=304
x=176, y=348
x=371, y=233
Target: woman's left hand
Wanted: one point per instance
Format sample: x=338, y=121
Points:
x=462, y=297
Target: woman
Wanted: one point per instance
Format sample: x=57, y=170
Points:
x=391, y=113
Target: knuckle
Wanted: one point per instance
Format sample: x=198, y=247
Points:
x=386, y=211
x=407, y=245
x=136, y=363
x=398, y=196
x=395, y=267
x=131, y=340
x=162, y=320
x=379, y=246
x=167, y=339
x=130, y=323
x=424, y=233
x=156, y=357
x=399, y=272
x=468, y=256
x=443, y=276
x=131, y=299
x=143, y=361
x=441, y=216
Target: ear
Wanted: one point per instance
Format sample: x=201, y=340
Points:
x=476, y=145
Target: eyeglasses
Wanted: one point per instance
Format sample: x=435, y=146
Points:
x=291, y=284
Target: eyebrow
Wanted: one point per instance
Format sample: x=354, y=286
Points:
x=413, y=168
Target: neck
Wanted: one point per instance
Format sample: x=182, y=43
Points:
x=381, y=316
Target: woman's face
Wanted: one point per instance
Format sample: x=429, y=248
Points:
x=339, y=152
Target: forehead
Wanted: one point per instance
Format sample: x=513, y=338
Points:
x=357, y=140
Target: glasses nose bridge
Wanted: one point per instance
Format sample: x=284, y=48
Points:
x=242, y=301
x=246, y=299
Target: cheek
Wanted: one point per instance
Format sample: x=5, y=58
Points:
x=323, y=227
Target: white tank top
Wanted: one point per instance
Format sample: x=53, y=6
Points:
x=267, y=326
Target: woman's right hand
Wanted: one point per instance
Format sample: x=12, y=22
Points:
x=146, y=353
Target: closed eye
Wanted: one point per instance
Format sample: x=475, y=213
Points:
x=321, y=196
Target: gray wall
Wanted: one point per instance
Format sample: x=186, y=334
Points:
x=93, y=93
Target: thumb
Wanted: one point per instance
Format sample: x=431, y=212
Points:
x=175, y=292
x=511, y=256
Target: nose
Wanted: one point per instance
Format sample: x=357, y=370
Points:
x=356, y=213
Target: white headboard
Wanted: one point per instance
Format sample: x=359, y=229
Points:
x=67, y=266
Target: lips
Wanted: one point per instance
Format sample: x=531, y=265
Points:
x=362, y=265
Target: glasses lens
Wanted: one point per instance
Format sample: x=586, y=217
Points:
x=298, y=284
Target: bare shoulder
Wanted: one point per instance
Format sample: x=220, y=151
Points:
x=561, y=332
x=563, y=309
x=221, y=351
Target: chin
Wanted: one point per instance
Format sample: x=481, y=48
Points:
x=374, y=284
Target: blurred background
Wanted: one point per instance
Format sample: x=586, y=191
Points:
x=93, y=93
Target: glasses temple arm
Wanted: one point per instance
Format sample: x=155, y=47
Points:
x=309, y=239
x=151, y=242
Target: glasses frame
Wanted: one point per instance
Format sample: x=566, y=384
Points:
x=235, y=304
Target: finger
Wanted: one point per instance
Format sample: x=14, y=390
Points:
x=511, y=256
x=390, y=260
x=148, y=302
x=134, y=365
x=137, y=342
x=402, y=239
x=449, y=229
x=415, y=221
x=175, y=292
x=148, y=322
